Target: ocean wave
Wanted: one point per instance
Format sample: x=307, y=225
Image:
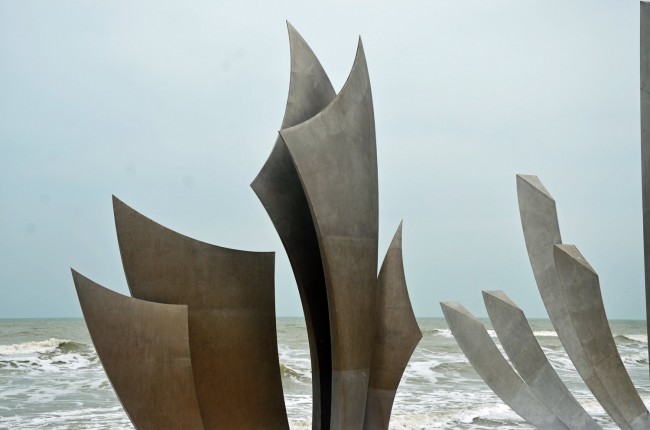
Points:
x=38, y=347
x=640, y=358
x=432, y=418
x=50, y=355
x=294, y=375
x=545, y=333
x=444, y=332
x=639, y=338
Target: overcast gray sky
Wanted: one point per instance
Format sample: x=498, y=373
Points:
x=175, y=106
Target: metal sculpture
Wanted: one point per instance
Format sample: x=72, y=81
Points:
x=527, y=357
x=488, y=362
x=396, y=337
x=335, y=156
x=319, y=187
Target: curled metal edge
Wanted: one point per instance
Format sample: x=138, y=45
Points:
x=231, y=312
x=279, y=189
x=144, y=348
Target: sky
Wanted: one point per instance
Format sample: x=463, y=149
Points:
x=175, y=106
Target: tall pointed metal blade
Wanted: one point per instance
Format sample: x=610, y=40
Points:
x=279, y=189
x=396, y=337
x=335, y=156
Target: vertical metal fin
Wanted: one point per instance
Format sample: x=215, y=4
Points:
x=335, y=156
x=396, y=337
x=279, y=189
x=645, y=147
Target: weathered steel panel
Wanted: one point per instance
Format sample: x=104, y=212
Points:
x=144, y=348
x=231, y=310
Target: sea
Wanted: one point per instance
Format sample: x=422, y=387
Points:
x=51, y=378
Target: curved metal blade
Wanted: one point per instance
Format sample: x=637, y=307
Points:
x=279, y=189
x=335, y=156
x=488, y=362
x=521, y=346
x=231, y=309
x=542, y=232
x=144, y=348
x=581, y=291
x=396, y=337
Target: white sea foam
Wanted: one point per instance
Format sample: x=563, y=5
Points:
x=640, y=357
x=545, y=333
x=51, y=383
x=444, y=332
x=33, y=347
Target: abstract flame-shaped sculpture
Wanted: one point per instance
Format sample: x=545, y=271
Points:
x=335, y=157
x=319, y=187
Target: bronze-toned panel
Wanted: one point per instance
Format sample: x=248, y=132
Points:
x=335, y=156
x=396, y=337
x=144, y=348
x=231, y=311
x=581, y=291
x=279, y=189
